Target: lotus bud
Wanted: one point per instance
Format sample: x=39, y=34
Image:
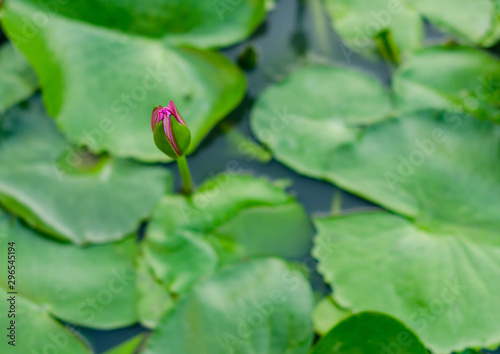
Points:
x=170, y=132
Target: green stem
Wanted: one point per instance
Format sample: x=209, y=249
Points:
x=387, y=47
x=321, y=26
x=337, y=202
x=185, y=175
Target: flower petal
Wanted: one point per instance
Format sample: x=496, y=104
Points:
x=167, y=127
x=155, y=117
x=173, y=109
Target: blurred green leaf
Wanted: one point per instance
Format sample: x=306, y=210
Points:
x=440, y=170
x=327, y=314
x=458, y=78
x=18, y=81
x=474, y=22
x=91, y=286
x=37, y=330
x=262, y=306
x=361, y=22
x=230, y=218
x=370, y=332
x=153, y=297
x=104, y=65
x=432, y=268
x=65, y=192
x=438, y=283
x=305, y=118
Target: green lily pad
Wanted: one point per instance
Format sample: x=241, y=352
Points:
x=459, y=78
x=473, y=22
x=437, y=283
x=37, y=330
x=153, y=297
x=313, y=112
x=262, y=306
x=91, y=286
x=230, y=218
x=363, y=23
x=18, y=81
x=103, y=66
x=434, y=268
x=66, y=193
x=370, y=332
x=327, y=315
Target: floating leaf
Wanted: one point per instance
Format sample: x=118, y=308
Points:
x=370, y=332
x=18, y=81
x=153, y=297
x=436, y=282
x=434, y=268
x=42, y=332
x=459, y=78
x=360, y=23
x=307, y=117
x=474, y=22
x=327, y=314
x=363, y=23
x=65, y=193
x=262, y=306
x=91, y=286
x=103, y=66
x=229, y=218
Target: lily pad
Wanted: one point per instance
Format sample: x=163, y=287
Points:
x=37, y=330
x=473, y=22
x=230, y=218
x=305, y=118
x=153, y=297
x=370, y=332
x=437, y=283
x=18, y=80
x=327, y=315
x=363, y=23
x=103, y=66
x=66, y=193
x=262, y=306
x=91, y=286
x=459, y=78
x=441, y=172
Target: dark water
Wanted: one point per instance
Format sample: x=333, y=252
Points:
x=292, y=36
